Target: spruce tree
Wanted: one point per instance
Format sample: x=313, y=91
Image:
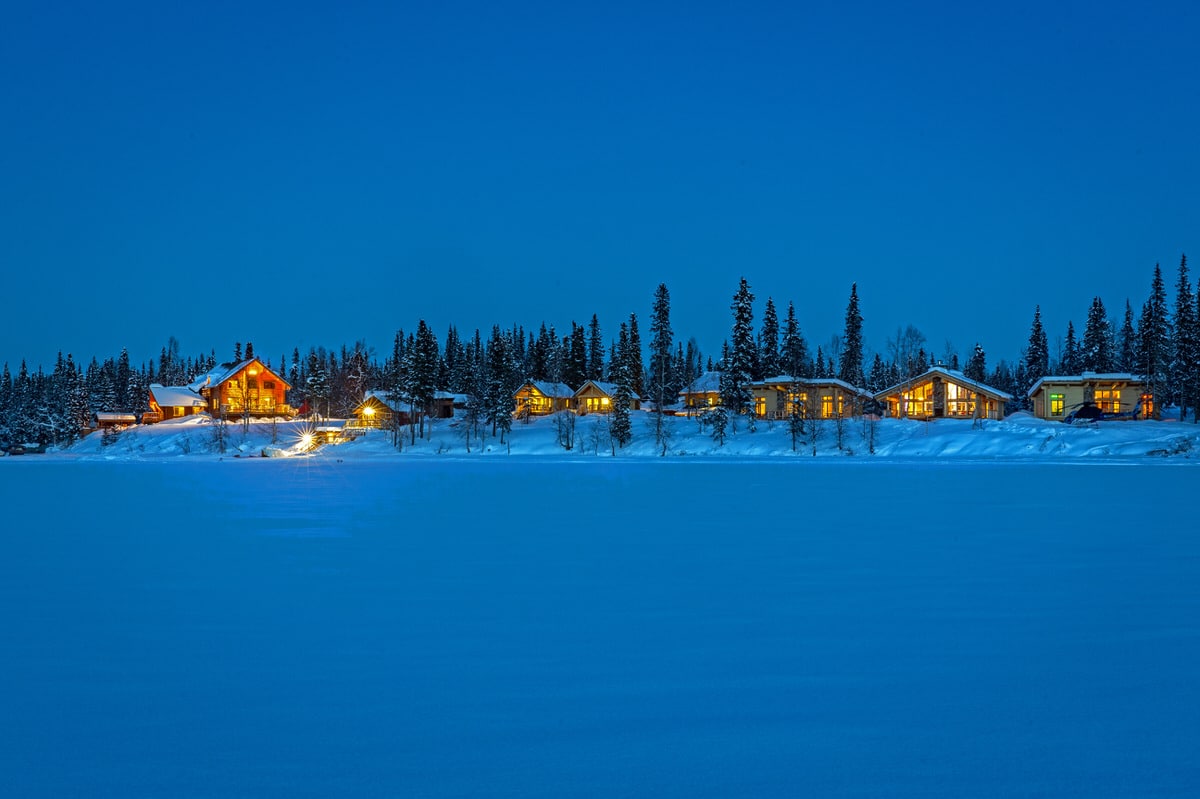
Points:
x=1037, y=352
x=637, y=369
x=1096, y=353
x=976, y=368
x=794, y=356
x=739, y=366
x=662, y=380
x=1127, y=343
x=1186, y=346
x=621, y=427
x=1070, y=356
x=852, y=343
x=768, y=343
x=595, y=350
x=1153, y=351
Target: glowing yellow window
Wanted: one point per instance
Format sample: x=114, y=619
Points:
x=827, y=407
x=760, y=406
x=1056, y=404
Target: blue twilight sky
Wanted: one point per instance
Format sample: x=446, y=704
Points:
x=316, y=173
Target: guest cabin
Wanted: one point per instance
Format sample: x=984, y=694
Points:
x=595, y=396
x=540, y=398
x=702, y=393
x=943, y=393
x=1057, y=396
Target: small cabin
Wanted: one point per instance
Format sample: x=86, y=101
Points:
x=1055, y=397
x=702, y=393
x=247, y=388
x=542, y=397
x=814, y=397
x=596, y=396
x=172, y=402
x=105, y=420
x=943, y=393
x=376, y=411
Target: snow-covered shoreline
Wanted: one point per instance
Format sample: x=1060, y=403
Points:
x=1020, y=437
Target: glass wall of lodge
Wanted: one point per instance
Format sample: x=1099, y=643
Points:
x=918, y=402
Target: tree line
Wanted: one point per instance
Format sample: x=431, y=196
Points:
x=1162, y=345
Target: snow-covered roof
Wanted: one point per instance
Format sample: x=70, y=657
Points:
x=608, y=388
x=551, y=389
x=382, y=398
x=227, y=370
x=1086, y=377
x=176, y=396
x=956, y=376
x=707, y=383
x=110, y=416
x=787, y=380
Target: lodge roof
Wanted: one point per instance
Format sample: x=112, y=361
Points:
x=786, y=380
x=953, y=374
x=225, y=371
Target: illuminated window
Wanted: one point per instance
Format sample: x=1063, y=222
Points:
x=917, y=401
x=959, y=401
x=1108, y=400
x=797, y=401
x=826, y=407
x=1147, y=403
x=760, y=406
x=1056, y=404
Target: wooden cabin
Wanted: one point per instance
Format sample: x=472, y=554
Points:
x=815, y=397
x=376, y=411
x=702, y=393
x=105, y=420
x=943, y=393
x=596, y=396
x=542, y=397
x=172, y=402
x=1056, y=397
x=245, y=388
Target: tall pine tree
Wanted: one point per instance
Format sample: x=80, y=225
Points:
x=852, y=343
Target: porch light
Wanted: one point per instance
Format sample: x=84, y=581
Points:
x=368, y=411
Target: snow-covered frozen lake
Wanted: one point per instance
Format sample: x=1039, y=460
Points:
x=599, y=627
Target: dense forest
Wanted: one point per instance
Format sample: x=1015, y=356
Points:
x=1162, y=345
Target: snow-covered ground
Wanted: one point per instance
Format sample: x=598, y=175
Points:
x=963, y=618
x=1019, y=436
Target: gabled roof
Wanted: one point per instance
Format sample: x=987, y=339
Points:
x=1087, y=378
x=176, y=396
x=550, y=389
x=381, y=397
x=812, y=382
x=951, y=374
x=707, y=383
x=606, y=388
x=227, y=370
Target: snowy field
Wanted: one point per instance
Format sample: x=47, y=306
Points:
x=361, y=626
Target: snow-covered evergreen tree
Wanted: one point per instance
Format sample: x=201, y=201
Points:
x=768, y=343
x=851, y=370
x=794, y=354
x=595, y=351
x=1095, y=355
x=1185, y=365
x=1037, y=351
x=739, y=366
x=1069, y=363
x=1126, y=346
x=976, y=368
x=1153, y=352
x=620, y=426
